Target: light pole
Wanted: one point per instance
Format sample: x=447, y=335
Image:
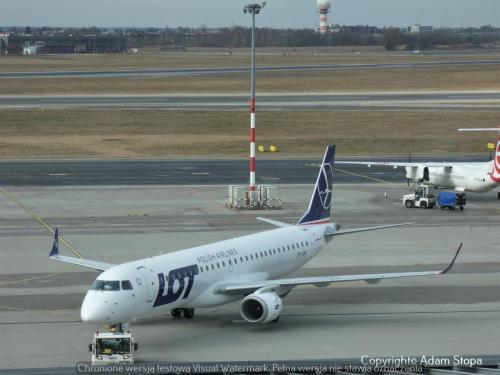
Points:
x=252, y=9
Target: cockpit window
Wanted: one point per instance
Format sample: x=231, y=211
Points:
x=126, y=285
x=106, y=285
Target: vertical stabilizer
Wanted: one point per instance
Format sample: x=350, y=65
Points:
x=318, y=211
x=495, y=172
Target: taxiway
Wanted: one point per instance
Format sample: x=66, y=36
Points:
x=431, y=100
x=455, y=313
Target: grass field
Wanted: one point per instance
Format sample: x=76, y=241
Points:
x=130, y=133
x=212, y=57
x=397, y=79
x=156, y=133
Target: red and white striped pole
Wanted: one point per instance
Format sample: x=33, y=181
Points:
x=252, y=145
x=251, y=188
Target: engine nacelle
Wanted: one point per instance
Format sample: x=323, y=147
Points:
x=261, y=307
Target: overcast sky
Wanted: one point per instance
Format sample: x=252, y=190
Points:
x=278, y=13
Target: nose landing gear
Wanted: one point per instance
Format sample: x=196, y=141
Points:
x=187, y=312
x=119, y=328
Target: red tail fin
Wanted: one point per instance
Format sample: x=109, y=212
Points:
x=495, y=173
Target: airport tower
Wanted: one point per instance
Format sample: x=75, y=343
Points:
x=324, y=7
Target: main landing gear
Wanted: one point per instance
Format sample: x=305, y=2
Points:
x=177, y=313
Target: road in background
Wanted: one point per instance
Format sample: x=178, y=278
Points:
x=233, y=70
x=447, y=100
x=193, y=171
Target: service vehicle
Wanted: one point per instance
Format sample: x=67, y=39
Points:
x=451, y=200
x=421, y=197
x=113, y=348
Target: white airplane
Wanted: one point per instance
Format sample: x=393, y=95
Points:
x=248, y=268
x=471, y=176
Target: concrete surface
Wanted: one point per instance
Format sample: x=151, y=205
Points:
x=402, y=101
x=454, y=314
x=209, y=171
x=189, y=72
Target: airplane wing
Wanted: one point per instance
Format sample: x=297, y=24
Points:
x=54, y=254
x=322, y=281
x=398, y=164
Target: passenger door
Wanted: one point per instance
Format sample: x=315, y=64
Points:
x=148, y=280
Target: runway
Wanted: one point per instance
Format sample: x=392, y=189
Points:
x=401, y=101
x=234, y=70
x=40, y=299
x=97, y=172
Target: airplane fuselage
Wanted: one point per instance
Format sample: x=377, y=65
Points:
x=190, y=278
x=475, y=177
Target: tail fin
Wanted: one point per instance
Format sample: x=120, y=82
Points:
x=318, y=211
x=495, y=171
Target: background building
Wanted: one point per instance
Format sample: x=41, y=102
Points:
x=24, y=44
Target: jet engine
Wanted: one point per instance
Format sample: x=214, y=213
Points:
x=261, y=307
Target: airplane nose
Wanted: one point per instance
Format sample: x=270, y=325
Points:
x=91, y=310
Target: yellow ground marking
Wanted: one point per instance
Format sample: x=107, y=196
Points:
x=39, y=219
x=363, y=176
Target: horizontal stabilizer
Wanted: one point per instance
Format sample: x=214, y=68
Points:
x=479, y=130
x=276, y=223
x=398, y=164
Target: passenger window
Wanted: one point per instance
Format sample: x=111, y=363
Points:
x=307, y=244
x=251, y=256
x=302, y=243
x=265, y=253
x=218, y=265
x=213, y=267
x=235, y=261
x=274, y=251
x=223, y=264
x=246, y=257
x=206, y=267
x=261, y=254
x=126, y=285
x=201, y=269
x=279, y=251
x=241, y=259
x=293, y=247
x=230, y=262
x=288, y=246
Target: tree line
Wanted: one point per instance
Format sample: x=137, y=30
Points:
x=237, y=36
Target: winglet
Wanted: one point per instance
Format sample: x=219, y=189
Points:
x=452, y=261
x=55, y=244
